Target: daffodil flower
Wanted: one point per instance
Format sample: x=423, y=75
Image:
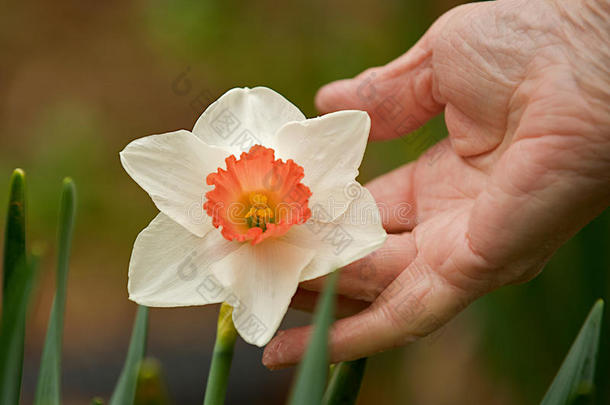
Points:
x=255, y=199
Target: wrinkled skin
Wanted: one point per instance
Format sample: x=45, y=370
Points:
x=525, y=88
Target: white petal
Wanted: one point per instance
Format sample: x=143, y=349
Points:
x=170, y=266
x=350, y=237
x=172, y=168
x=262, y=280
x=241, y=118
x=330, y=149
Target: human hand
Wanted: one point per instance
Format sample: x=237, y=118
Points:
x=525, y=88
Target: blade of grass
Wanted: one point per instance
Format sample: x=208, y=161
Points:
x=313, y=370
x=14, y=297
x=125, y=390
x=344, y=383
x=12, y=330
x=14, y=241
x=48, y=390
x=575, y=380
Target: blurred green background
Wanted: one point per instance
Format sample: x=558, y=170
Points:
x=79, y=80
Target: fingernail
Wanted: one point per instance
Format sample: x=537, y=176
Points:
x=270, y=359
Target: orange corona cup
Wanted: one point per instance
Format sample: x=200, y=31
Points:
x=257, y=196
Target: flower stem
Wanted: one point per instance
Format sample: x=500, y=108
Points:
x=344, y=383
x=218, y=377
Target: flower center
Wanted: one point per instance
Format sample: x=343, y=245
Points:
x=257, y=196
x=259, y=214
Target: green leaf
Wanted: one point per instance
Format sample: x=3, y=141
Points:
x=313, y=370
x=125, y=390
x=12, y=330
x=152, y=389
x=97, y=401
x=49, y=377
x=345, y=382
x=574, y=382
x=16, y=283
x=14, y=241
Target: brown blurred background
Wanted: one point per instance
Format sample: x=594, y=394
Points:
x=80, y=79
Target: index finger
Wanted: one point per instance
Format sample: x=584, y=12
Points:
x=398, y=96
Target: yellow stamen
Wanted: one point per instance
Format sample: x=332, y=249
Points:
x=259, y=214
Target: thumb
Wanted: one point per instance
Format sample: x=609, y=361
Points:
x=398, y=96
